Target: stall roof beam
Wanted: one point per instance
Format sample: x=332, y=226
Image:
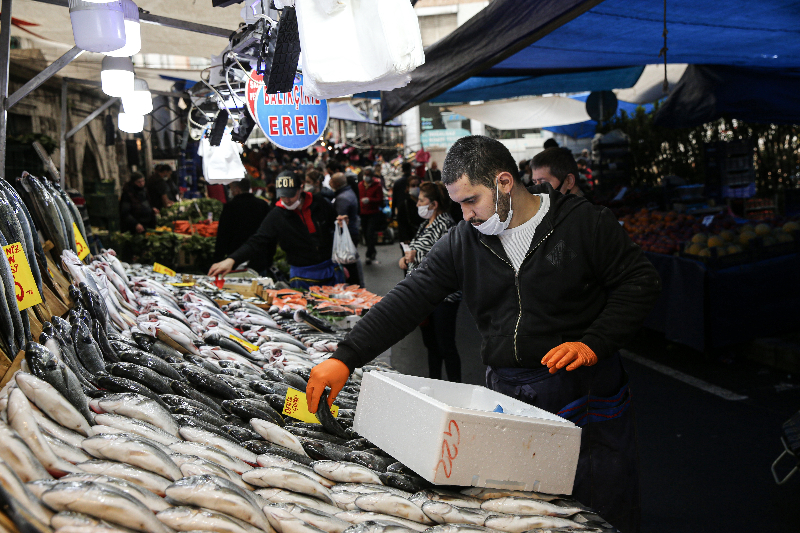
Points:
x=5, y=55
x=94, y=83
x=167, y=22
x=93, y=115
x=43, y=76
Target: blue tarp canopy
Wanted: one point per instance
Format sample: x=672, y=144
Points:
x=586, y=130
x=567, y=38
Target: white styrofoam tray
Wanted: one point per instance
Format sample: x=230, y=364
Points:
x=449, y=435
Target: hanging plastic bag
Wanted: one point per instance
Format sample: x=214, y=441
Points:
x=377, y=45
x=344, y=251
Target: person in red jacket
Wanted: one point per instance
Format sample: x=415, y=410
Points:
x=370, y=195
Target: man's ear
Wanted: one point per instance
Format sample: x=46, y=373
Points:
x=569, y=181
x=504, y=182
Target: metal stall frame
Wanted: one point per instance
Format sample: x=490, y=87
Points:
x=8, y=101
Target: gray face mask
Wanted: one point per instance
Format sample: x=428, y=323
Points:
x=414, y=191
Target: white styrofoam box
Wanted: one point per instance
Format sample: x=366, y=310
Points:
x=449, y=435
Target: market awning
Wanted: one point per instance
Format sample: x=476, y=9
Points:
x=526, y=113
x=512, y=39
x=707, y=92
x=587, y=129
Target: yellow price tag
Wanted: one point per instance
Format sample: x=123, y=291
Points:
x=250, y=347
x=80, y=243
x=296, y=407
x=161, y=269
x=183, y=284
x=26, y=290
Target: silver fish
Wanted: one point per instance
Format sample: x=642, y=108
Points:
x=139, y=427
x=287, y=496
x=65, y=450
x=233, y=449
x=519, y=524
x=277, y=435
x=16, y=488
x=460, y=528
x=138, y=407
x=369, y=488
x=20, y=418
x=19, y=457
x=70, y=519
x=393, y=505
x=133, y=450
x=345, y=472
x=192, y=465
x=444, y=513
x=527, y=506
x=193, y=519
x=218, y=494
x=49, y=400
x=147, y=480
x=346, y=501
x=483, y=493
x=285, y=522
x=378, y=527
x=73, y=438
x=282, y=462
x=323, y=521
x=453, y=498
x=287, y=479
x=212, y=454
x=38, y=487
x=149, y=499
x=104, y=502
x=358, y=517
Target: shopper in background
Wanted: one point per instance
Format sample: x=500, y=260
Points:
x=240, y=219
x=136, y=213
x=408, y=216
x=302, y=224
x=556, y=288
x=550, y=143
x=439, y=329
x=313, y=184
x=399, y=196
x=347, y=205
x=557, y=167
x=160, y=191
x=370, y=195
x=433, y=173
x=525, y=172
x=585, y=172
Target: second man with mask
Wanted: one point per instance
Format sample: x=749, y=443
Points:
x=302, y=224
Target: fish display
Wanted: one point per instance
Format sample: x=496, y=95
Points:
x=152, y=408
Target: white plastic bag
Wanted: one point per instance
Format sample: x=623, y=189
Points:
x=377, y=45
x=344, y=251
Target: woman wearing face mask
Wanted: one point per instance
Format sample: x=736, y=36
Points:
x=439, y=329
x=370, y=194
x=302, y=223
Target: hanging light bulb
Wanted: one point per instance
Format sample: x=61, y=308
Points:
x=117, y=76
x=130, y=122
x=133, y=31
x=139, y=101
x=97, y=26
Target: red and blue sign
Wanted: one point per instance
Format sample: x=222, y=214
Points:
x=293, y=120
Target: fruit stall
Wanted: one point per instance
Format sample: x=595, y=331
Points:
x=721, y=275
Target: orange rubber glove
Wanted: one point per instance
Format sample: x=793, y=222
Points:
x=574, y=354
x=329, y=373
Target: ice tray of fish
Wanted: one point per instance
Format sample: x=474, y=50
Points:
x=144, y=410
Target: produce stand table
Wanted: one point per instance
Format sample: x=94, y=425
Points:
x=704, y=308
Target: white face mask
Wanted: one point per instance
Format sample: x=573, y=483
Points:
x=293, y=206
x=308, y=188
x=493, y=226
x=425, y=211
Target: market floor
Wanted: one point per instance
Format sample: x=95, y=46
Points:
x=708, y=428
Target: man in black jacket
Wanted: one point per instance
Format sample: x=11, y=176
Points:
x=302, y=224
x=240, y=219
x=555, y=286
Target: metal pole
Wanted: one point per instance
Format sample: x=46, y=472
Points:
x=43, y=76
x=62, y=168
x=96, y=113
x=5, y=55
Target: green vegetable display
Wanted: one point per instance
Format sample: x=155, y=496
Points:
x=192, y=210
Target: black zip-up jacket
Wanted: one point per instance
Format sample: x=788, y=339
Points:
x=291, y=230
x=582, y=280
x=240, y=219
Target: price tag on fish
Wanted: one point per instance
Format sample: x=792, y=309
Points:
x=80, y=243
x=248, y=346
x=25, y=286
x=296, y=407
x=183, y=284
x=161, y=269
